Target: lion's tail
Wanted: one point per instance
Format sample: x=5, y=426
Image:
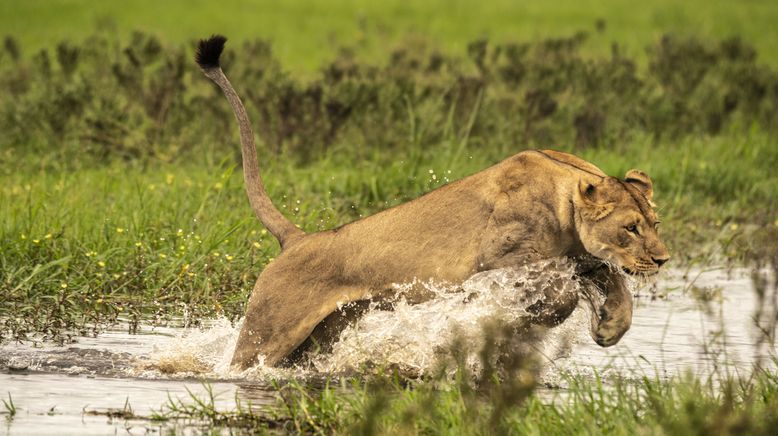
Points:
x=207, y=56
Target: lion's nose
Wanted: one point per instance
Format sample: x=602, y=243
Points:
x=659, y=261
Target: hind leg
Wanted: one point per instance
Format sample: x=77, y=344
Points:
x=328, y=331
x=282, y=313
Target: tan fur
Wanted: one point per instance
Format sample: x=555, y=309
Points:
x=534, y=205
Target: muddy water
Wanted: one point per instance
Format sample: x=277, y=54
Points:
x=696, y=320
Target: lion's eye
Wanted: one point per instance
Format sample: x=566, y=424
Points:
x=632, y=228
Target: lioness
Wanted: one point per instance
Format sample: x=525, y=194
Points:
x=531, y=206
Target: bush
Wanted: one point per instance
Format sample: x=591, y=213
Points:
x=146, y=100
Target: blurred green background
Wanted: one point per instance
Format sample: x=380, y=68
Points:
x=305, y=32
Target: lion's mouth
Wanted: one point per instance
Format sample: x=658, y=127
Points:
x=641, y=273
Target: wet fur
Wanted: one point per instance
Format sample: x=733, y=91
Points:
x=534, y=205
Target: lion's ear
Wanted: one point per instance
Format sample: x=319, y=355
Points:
x=593, y=203
x=590, y=192
x=642, y=182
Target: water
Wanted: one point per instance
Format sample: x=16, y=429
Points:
x=55, y=388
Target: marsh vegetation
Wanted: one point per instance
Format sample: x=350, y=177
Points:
x=121, y=201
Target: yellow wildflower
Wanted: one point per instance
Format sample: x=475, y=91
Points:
x=48, y=236
x=256, y=244
x=119, y=230
x=101, y=264
x=63, y=285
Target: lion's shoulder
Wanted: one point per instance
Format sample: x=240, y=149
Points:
x=546, y=159
x=531, y=165
x=574, y=161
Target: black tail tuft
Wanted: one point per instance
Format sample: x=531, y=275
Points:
x=209, y=50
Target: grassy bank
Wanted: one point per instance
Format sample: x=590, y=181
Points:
x=81, y=248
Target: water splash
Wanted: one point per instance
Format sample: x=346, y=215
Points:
x=411, y=336
x=414, y=336
x=195, y=351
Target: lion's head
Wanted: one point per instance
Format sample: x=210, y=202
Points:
x=616, y=222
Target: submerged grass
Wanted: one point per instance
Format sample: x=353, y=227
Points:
x=387, y=404
x=10, y=408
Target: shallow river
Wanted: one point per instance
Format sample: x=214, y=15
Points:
x=55, y=389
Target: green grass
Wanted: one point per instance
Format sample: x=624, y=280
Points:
x=305, y=33
x=81, y=248
x=685, y=405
